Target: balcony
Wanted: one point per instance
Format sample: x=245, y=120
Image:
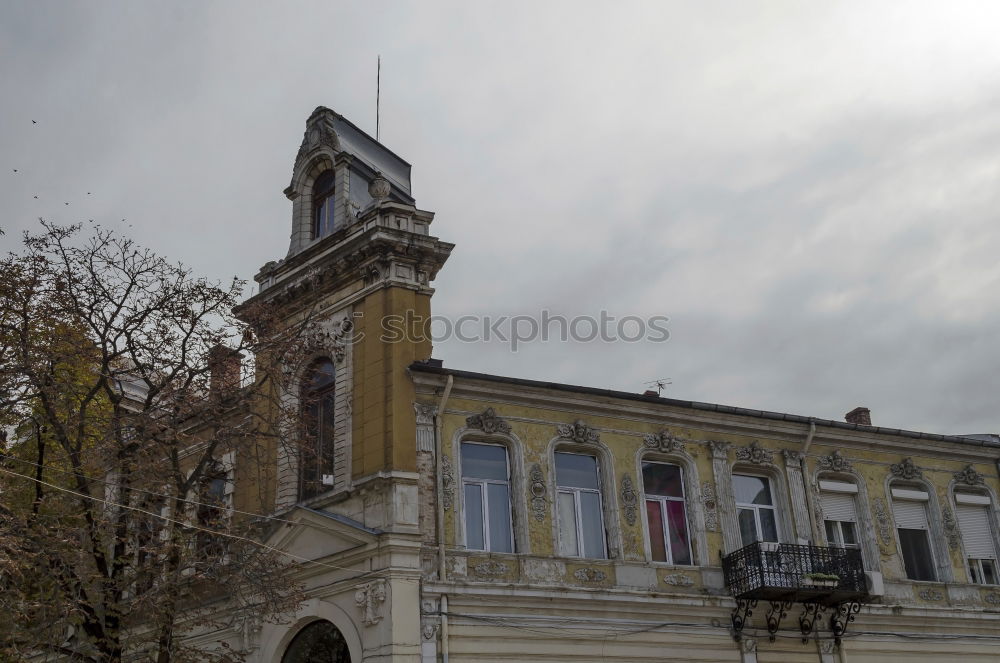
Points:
x=819, y=577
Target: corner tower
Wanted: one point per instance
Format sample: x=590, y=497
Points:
x=360, y=255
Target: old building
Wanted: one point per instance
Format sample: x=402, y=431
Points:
x=456, y=516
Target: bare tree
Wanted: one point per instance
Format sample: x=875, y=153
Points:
x=121, y=386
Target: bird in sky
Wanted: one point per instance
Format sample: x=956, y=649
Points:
x=65, y=203
x=36, y=197
x=15, y=170
x=33, y=122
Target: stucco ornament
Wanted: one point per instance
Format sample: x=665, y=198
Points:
x=792, y=457
x=369, y=598
x=488, y=422
x=709, y=502
x=719, y=449
x=969, y=476
x=318, y=337
x=827, y=646
x=578, y=432
x=993, y=598
x=590, y=575
x=447, y=482
x=662, y=441
x=931, y=595
x=379, y=188
x=835, y=463
x=754, y=453
x=319, y=133
x=630, y=500
x=491, y=568
x=749, y=645
x=678, y=579
x=905, y=469
x=950, y=527
x=882, y=523
x=429, y=631
x=425, y=413
x=538, y=492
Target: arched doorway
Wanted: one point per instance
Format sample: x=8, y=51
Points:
x=319, y=642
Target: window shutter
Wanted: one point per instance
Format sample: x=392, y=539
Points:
x=977, y=535
x=909, y=515
x=839, y=506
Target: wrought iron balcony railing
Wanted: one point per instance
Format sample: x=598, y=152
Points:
x=790, y=572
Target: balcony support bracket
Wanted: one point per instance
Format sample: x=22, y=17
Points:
x=741, y=615
x=843, y=615
x=810, y=616
x=778, y=611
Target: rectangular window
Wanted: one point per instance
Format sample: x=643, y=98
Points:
x=840, y=518
x=755, y=509
x=909, y=510
x=665, y=513
x=977, y=538
x=580, y=513
x=486, y=486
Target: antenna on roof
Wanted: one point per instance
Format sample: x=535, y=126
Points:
x=378, y=94
x=660, y=385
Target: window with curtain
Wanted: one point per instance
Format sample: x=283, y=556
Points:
x=580, y=517
x=486, y=491
x=909, y=510
x=323, y=203
x=973, y=512
x=755, y=510
x=666, y=513
x=316, y=453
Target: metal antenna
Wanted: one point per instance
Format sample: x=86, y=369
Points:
x=378, y=95
x=660, y=384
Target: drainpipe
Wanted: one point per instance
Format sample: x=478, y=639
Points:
x=442, y=567
x=805, y=480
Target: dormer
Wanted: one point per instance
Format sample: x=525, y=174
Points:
x=340, y=171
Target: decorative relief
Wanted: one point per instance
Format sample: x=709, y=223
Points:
x=835, y=463
x=827, y=646
x=488, y=422
x=678, y=580
x=754, y=453
x=447, y=482
x=719, y=449
x=630, y=500
x=709, y=502
x=578, y=432
x=425, y=414
x=992, y=598
x=950, y=527
x=663, y=441
x=930, y=595
x=590, y=575
x=969, y=476
x=630, y=546
x=429, y=631
x=538, y=490
x=792, y=457
x=906, y=470
x=749, y=645
x=320, y=133
x=370, y=598
x=882, y=523
x=492, y=568
x=317, y=338
x=429, y=607
x=425, y=426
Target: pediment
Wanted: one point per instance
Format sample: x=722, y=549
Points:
x=315, y=534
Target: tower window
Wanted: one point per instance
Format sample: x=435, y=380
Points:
x=322, y=195
x=316, y=465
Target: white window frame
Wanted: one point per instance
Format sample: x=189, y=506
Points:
x=974, y=565
x=757, y=507
x=576, y=492
x=921, y=496
x=841, y=488
x=662, y=500
x=482, y=483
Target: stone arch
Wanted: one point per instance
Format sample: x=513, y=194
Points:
x=276, y=638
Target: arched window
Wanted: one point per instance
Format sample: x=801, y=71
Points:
x=486, y=486
x=840, y=513
x=580, y=513
x=756, y=511
x=316, y=456
x=322, y=197
x=666, y=513
x=909, y=510
x=319, y=642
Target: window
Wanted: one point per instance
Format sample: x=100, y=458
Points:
x=973, y=511
x=319, y=642
x=755, y=509
x=322, y=196
x=666, y=513
x=210, y=512
x=840, y=516
x=581, y=522
x=909, y=510
x=486, y=486
x=316, y=458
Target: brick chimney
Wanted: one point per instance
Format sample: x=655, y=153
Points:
x=651, y=392
x=859, y=415
x=224, y=366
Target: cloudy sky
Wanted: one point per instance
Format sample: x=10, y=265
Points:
x=808, y=190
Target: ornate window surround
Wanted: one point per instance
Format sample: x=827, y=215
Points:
x=727, y=500
x=518, y=483
x=867, y=534
x=976, y=489
x=608, y=483
x=693, y=505
x=938, y=542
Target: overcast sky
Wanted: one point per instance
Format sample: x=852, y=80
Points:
x=808, y=190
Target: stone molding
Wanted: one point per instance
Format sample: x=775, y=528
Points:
x=578, y=432
x=969, y=476
x=488, y=421
x=663, y=442
x=754, y=453
x=629, y=500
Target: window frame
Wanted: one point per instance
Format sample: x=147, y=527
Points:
x=661, y=501
x=323, y=450
x=323, y=202
x=838, y=487
x=973, y=565
x=929, y=533
x=773, y=507
x=576, y=493
x=483, y=483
